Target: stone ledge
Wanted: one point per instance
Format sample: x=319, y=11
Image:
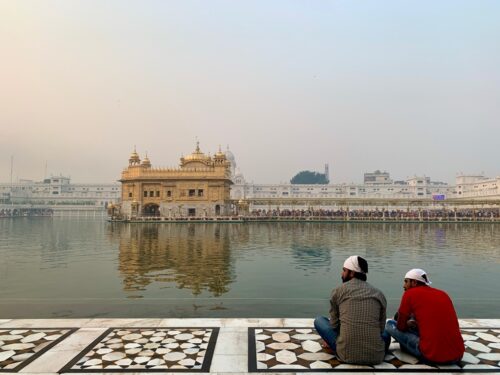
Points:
x=229, y=355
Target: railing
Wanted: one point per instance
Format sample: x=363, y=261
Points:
x=240, y=219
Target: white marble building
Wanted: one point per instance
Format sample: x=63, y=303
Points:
x=415, y=187
x=381, y=186
x=59, y=191
x=477, y=186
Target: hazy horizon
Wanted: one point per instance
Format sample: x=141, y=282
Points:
x=411, y=88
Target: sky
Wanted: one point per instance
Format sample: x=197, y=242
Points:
x=409, y=87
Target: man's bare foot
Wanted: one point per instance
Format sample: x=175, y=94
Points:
x=326, y=347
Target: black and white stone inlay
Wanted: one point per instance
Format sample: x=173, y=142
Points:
x=20, y=346
x=292, y=349
x=148, y=349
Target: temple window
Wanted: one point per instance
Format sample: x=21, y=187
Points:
x=151, y=193
x=200, y=192
x=169, y=193
x=157, y=193
x=130, y=194
x=145, y=194
x=191, y=192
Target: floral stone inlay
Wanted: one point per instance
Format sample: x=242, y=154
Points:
x=20, y=346
x=148, y=349
x=300, y=349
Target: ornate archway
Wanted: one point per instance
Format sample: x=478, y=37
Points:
x=151, y=209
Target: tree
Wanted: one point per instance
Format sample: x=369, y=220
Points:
x=309, y=177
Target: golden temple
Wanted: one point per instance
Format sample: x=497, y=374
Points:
x=200, y=187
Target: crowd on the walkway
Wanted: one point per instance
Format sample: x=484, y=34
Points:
x=485, y=213
x=17, y=212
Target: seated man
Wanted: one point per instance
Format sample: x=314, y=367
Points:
x=427, y=325
x=357, y=317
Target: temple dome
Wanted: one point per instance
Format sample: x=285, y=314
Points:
x=145, y=162
x=232, y=160
x=230, y=156
x=220, y=154
x=134, y=157
x=197, y=155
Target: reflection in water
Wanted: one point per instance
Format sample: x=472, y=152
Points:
x=202, y=257
x=193, y=256
x=80, y=268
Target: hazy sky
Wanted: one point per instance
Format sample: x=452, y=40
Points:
x=411, y=87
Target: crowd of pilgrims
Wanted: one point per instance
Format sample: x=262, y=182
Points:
x=486, y=213
x=16, y=212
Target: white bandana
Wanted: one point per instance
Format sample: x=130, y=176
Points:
x=418, y=274
x=352, y=264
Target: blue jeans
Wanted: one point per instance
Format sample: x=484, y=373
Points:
x=327, y=333
x=407, y=340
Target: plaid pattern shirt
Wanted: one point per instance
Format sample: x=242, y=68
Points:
x=359, y=311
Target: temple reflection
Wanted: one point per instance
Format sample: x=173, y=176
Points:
x=206, y=258
x=190, y=256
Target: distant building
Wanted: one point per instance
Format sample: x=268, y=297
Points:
x=474, y=186
x=199, y=187
x=377, y=177
x=59, y=191
x=413, y=188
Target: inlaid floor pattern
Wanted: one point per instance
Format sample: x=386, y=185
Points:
x=20, y=346
x=148, y=349
x=289, y=349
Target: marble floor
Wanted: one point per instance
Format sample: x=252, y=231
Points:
x=51, y=346
x=148, y=349
x=299, y=349
x=19, y=347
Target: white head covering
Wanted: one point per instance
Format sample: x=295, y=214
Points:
x=419, y=275
x=352, y=264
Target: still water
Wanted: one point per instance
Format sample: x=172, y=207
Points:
x=52, y=267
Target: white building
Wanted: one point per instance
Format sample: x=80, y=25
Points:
x=413, y=188
x=377, y=177
x=477, y=186
x=59, y=191
x=377, y=185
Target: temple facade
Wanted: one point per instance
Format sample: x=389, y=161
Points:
x=200, y=187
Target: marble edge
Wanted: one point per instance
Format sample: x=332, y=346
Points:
x=240, y=373
x=43, y=323
x=193, y=322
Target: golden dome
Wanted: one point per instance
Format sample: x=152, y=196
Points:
x=146, y=162
x=197, y=155
x=220, y=154
x=134, y=157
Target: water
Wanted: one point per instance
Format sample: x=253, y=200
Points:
x=52, y=267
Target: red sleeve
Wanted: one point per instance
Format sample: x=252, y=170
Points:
x=404, y=312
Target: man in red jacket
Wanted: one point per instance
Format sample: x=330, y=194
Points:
x=427, y=324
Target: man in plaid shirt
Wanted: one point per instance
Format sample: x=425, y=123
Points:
x=355, y=330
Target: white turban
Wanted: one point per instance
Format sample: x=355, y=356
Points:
x=419, y=275
x=352, y=264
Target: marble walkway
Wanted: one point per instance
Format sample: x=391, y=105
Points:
x=51, y=346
